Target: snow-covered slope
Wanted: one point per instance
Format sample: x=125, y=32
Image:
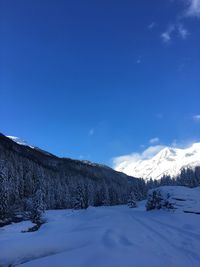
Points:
x=19, y=141
x=22, y=142
x=106, y=237
x=184, y=199
x=169, y=161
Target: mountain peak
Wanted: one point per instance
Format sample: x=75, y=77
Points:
x=168, y=161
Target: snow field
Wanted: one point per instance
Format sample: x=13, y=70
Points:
x=105, y=237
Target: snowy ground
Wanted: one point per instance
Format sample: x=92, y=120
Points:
x=105, y=237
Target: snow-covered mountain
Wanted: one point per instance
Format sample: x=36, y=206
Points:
x=168, y=161
x=22, y=142
x=19, y=141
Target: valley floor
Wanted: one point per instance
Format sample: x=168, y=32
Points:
x=105, y=237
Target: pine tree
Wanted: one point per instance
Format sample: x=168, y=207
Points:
x=154, y=200
x=4, y=196
x=132, y=200
x=4, y=199
x=81, y=197
x=37, y=207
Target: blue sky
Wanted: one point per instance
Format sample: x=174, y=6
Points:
x=99, y=79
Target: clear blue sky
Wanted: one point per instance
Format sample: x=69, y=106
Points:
x=99, y=79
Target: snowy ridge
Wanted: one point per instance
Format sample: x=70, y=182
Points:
x=169, y=161
x=22, y=142
x=87, y=162
x=19, y=141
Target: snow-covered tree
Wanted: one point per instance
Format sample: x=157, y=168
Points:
x=4, y=195
x=158, y=200
x=81, y=197
x=154, y=200
x=37, y=206
x=4, y=198
x=132, y=200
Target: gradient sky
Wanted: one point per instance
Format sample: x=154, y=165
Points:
x=99, y=79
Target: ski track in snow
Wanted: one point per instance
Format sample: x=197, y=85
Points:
x=157, y=231
x=105, y=237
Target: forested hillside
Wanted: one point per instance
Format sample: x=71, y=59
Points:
x=30, y=175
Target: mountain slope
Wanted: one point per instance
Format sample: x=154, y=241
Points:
x=19, y=141
x=169, y=161
x=64, y=181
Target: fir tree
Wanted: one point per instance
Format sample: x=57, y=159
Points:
x=4, y=199
x=4, y=196
x=81, y=197
x=37, y=207
x=132, y=200
x=154, y=200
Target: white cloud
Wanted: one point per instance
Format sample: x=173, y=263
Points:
x=151, y=25
x=174, y=143
x=193, y=9
x=196, y=117
x=134, y=157
x=173, y=31
x=154, y=140
x=151, y=151
x=91, y=132
x=166, y=36
x=182, y=31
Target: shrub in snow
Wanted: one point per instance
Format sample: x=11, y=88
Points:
x=158, y=200
x=132, y=200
